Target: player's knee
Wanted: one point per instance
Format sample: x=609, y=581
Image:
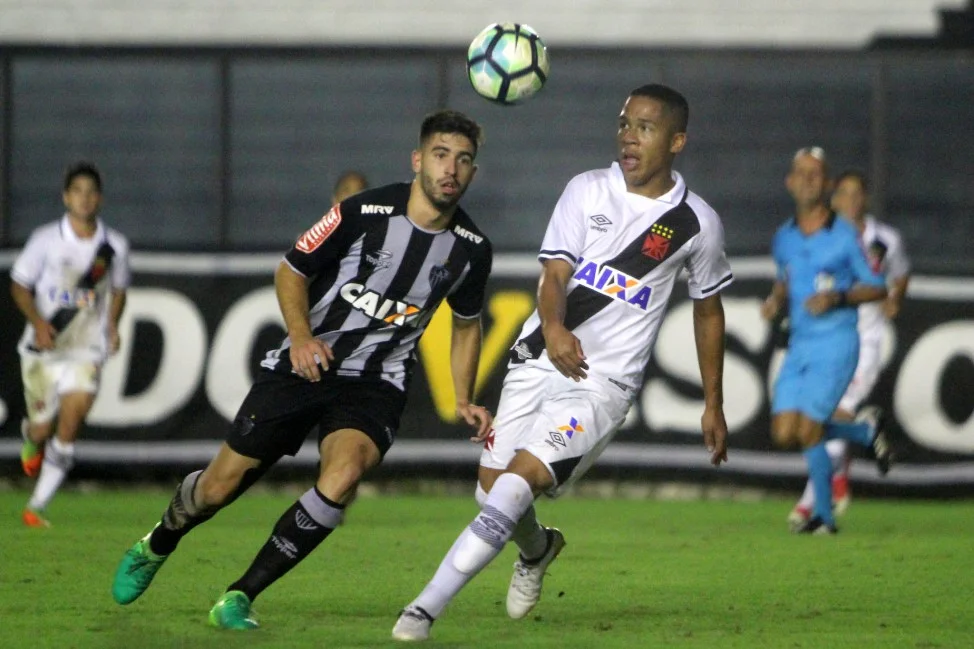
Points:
x=783, y=434
x=810, y=436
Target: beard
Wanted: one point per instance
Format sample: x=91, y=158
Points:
x=438, y=199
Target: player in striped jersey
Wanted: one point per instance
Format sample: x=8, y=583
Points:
x=356, y=291
x=615, y=245
x=887, y=255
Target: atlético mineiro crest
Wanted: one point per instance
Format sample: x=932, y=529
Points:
x=438, y=275
x=657, y=242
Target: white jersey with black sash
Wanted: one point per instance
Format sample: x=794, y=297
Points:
x=627, y=251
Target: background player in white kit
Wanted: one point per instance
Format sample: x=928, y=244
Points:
x=69, y=282
x=615, y=244
x=887, y=255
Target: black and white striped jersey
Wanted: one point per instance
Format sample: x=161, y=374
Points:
x=627, y=251
x=376, y=279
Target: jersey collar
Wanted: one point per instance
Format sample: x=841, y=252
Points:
x=67, y=232
x=674, y=197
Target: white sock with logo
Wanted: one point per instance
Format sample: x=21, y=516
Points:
x=479, y=543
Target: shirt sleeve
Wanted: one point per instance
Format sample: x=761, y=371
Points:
x=121, y=274
x=467, y=301
x=565, y=237
x=898, y=261
x=29, y=264
x=861, y=269
x=707, y=266
x=778, y=254
x=325, y=242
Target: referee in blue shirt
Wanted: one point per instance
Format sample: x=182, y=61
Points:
x=822, y=276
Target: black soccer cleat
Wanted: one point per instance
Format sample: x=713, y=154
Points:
x=881, y=448
x=816, y=525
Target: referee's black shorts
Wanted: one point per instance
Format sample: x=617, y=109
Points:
x=281, y=409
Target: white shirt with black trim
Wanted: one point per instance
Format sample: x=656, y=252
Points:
x=887, y=255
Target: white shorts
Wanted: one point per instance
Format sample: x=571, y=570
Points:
x=562, y=423
x=45, y=380
x=864, y=380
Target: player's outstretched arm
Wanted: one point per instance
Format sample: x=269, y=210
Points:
x=307, y=352
x=708, y=332
x=464, y=359
x=564, y=349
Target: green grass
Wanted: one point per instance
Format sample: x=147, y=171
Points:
x=634, y=574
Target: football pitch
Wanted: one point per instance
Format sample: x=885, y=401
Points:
x=634, y=574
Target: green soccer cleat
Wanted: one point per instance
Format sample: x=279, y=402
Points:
x=135, y=572
x=232, y=611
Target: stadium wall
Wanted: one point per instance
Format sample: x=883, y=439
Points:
x=669, y=23
x=197, y=324
x=237, y=148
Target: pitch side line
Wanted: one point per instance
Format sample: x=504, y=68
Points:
x=620, y=455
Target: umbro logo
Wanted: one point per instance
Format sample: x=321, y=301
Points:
x=599, y=222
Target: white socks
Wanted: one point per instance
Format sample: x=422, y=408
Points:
x=479, y=543
x=529, y=536
x=58, y=460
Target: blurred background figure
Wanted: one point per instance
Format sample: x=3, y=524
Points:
x=351, y=182
x=887, y=256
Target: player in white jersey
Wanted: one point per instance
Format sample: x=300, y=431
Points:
x=887, y=254
x=69, y=282
x=616, y=242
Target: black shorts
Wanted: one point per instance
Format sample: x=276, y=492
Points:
x=281, y=409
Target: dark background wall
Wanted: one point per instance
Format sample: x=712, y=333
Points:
x=237, y=148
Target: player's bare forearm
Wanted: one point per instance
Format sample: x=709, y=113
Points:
x=465, y=356
x=24, y=299
x=552, y=292
x=117, y=307
x=564, y=349
x=894, y=300
x=775, y=301
x=708, y=332
x=862, y=293
x=292, y=297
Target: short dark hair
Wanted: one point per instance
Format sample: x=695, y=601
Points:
x=675, y=104
x=82, y=168
x=451, y=121
x=857, y=175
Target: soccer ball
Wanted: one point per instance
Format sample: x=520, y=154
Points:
x=507, y=63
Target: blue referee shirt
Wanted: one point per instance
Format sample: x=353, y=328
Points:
x=829, y=259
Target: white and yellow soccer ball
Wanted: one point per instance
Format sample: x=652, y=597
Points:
x=507, y=63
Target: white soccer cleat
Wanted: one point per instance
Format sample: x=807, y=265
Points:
x=525, y=589
x=413, y=625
